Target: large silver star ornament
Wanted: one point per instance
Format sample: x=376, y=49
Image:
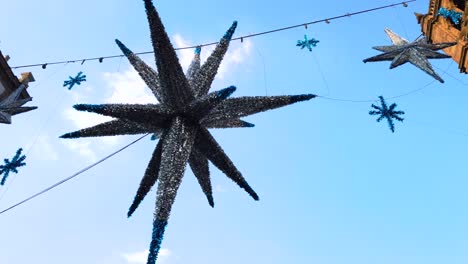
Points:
x=181, y=120
x=11, y=105
x=417, y=53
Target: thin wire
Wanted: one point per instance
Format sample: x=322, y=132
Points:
x=71, y=177
x=264, y=71
x=238, y=38
x=401, y=24
x=322, y=74
x=453, y=77
x=120, y=63
x=59, y=102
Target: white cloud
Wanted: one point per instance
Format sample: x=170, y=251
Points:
x=82, y=148
x=185, y=55
x=236, y=54
x=47, y=151
x=141, y=257
x=128, y=88
x=219, y=189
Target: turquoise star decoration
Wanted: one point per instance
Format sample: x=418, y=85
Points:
x=307, y=43
x=12, y=166
x=453, y=15
x=181, y=119
x=75, y=80
x=387, y=112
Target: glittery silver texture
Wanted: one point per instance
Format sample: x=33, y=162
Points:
x=12, y=106
x=181, y=120
x=417, y=53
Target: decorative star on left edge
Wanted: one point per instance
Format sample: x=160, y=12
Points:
x=12, y=106
x=12, y=166
x=181, y=120
x=417, y=53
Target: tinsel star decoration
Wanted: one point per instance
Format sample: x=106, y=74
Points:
x=185, y=112
x=307, y=43
x=387, y=112
x=74, y=80
x=452, y=15
x=417, y=53
x=12, y=166
x=12, y=105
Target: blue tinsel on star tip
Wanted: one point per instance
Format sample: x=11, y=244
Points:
x=226, y=92
x=88, y=107
x=159, y=227
x=247, y=124
x=71, y=135
x=122, y=47
x=230, y=32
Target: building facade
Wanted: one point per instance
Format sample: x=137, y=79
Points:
x=9, y=82
x=439, y=29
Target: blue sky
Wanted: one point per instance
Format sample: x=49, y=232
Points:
x=335, y=186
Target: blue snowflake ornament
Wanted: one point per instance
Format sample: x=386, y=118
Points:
x=12, y=166
x=307, y=43
x=452, y=15
x=76, y=80
x=387, y=112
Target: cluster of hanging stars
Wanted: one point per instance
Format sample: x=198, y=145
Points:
x=12, y=166
x=74, y=80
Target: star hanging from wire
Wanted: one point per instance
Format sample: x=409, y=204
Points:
x=181, y=120
x=12, y=105
x=12, y=166
x=75, y=80
x=307, y=43
x=417, y=53
x=387, y=112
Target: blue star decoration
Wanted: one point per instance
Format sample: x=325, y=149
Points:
x=387, y=112
x=451, y=14
x=77, y=80
x=307, y=43
x=12, y=166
